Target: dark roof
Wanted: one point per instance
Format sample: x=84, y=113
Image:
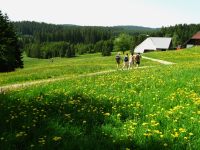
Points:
x=196, y=36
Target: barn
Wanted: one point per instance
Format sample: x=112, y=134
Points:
x=153, y=44
x=195, y=40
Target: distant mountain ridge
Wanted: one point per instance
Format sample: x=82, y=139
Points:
x=124, y=27
x=135, y=28
x=31, y=27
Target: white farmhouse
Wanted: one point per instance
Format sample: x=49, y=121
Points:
x=153, y=43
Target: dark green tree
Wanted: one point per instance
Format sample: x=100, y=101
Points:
x=107, y=48
x=122, y=42
x=10, y=54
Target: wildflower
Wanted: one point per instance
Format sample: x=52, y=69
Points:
x=119, y=115
x=182, y=130
x=175, y=135
x=157, y=132
x=147, y=134
x=165, y=144
x=20, y=134
x=57, y=138
x=2, y=138
x=144, y=124
x=32, y=145
x=106, y=114
x=42, y=141
x=191, y=134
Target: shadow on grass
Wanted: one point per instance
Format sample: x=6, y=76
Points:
x=61, y=122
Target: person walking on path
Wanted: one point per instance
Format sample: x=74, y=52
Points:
x=118, y=59
x=126, y=62
x=131, y=61
x=137, y=59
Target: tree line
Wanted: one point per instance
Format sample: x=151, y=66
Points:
x=82, y=39
x=87, y=39
x=65, y=49
x=180, y=33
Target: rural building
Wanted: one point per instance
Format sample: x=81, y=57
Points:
x=195, y=40
x=153, y=44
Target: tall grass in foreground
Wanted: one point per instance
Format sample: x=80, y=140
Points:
x=152, y=108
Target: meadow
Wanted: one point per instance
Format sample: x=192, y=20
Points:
x=145, y=108
x=38, y=69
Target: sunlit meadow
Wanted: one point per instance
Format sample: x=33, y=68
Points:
x=37, y=69
x=143, y=108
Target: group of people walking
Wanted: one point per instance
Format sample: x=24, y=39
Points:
x=128, y=61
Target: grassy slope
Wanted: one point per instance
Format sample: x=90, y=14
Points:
x=37, y=69
x=178, y=56
x=150, y=108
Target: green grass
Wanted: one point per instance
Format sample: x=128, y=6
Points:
x=38, y=69
x=147, y=108
x=189, y=55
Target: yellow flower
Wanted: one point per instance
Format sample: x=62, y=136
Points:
x=57, y=138
x=119, y=115
x=144, y=124
x=157, y=131
x=106, y=114
x=176, y=134
x=191, y=134
x=182, y=130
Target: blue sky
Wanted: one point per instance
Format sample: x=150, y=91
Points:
x=150, y=13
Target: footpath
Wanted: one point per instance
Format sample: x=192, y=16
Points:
x=158, y=60
x=44, y=81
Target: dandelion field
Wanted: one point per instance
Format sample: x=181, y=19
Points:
x=38, y=69
x=146, y=108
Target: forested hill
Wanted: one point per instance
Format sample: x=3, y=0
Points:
x=35, y=32
x=136, y=28
x=31, y=28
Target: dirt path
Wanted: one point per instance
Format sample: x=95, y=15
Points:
x=30, y=83
x=158, y=60
x=38, y=82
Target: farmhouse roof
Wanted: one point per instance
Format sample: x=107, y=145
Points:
x=196, y=36
x=153, y=43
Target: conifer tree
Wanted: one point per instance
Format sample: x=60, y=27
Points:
x=10, y=54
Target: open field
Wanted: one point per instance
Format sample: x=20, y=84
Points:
x=147, y=108
x=37, y=69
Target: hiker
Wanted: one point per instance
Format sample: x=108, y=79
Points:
x=134, y=55
x=131, y=61
x=137, y=59
x=118, y=59
x=126, y=62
